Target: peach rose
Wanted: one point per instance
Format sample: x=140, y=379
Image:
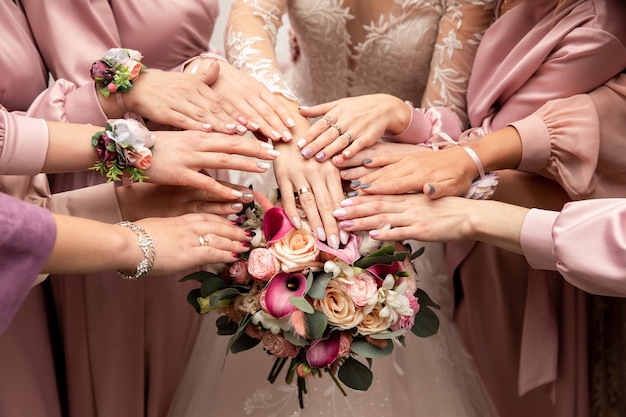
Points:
x=339, y=307
x=297, y=250
x=262, y=265
x=374, y=323
x=140, y=158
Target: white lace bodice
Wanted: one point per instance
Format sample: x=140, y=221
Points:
x=347, y=48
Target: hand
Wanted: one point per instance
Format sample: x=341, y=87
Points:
x=177, y=241
x=183, y=100
x=319, y=191
x=352, y=124
x=141, y=200
x=262, y=110
x=179, y=157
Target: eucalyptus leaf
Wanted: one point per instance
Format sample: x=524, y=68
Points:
x=243, y=342
x=388, y=335
x=302, y=304
x=426, y=322
x=199, y=276
x=418, y=253
x=363, y=348
x=315, y=325
x=226, y=293
x=296, y=339
x=318, y=286
x=425, y=300
x=383, y=259
x=211, y=284
x=355, y=374
x=240, y=330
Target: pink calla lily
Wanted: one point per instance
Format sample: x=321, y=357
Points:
x=380, y=271
x=349, y=253
x=276, y=224
x=323, y=352
x=275, y=296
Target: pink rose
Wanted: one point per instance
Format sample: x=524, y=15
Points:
x=297, y=250
x=238, y=271
x=278, y=346
x=338, y=306
x=134, y=68
x=140, y=158
x=262, y=265
x=363, y=289
x=255, y=332
x=345, y=344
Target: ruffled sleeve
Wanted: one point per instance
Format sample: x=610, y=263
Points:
x=251, y=34
x=27, y=235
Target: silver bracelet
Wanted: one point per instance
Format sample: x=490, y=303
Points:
x=147, y=247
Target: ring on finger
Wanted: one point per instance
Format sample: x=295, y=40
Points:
x=304, y=190
x=349, y=136
x=328, y=119
x=204, y=240
x=336, y=126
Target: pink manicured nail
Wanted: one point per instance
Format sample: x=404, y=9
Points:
x=346, y=223
x=242, y=120
x=295, y=220
x=347, y=202
x=374, y=233
x=340, y=212
x=344, y=237
x=236, y=193
x=207, y=126
x=230, y=126
x=307, y=152
x=291, y=122
x=301, y=143
x=254, y=126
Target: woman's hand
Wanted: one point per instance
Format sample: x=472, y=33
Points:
x=351, y=124
x=180, y=157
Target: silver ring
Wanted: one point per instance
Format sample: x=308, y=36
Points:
x=349, y=136
x=328, y=119
x=336, y=126
x=304, y=190
x=204, y=240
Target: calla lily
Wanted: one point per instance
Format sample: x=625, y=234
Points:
x=380, y=271
x=349, y=253
x=276, y=224
x=323, y=352
x=275, y=297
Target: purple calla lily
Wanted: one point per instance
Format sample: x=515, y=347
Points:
x=349, y=253
x=275, y=297
x=276, y=224
x=380, y=271
x=323, y=352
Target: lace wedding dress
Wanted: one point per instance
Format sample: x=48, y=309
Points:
x=420, y=51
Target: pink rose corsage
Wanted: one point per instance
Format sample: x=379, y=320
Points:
x=124, y=146
x=117, y=70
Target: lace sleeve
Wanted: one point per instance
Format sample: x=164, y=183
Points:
x=250, y=42
x=460, y=31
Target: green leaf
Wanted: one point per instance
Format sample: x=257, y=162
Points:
x=192, y=298
x=199, y=276
x=226, y=293
x=363, y=348
x=226, y=327
x=318, y=286
x=425, y=300
x=315, y=324
x=302, y=304
x=355, y=374
x=211, y=284
x=418, y=253
x=426, y=322
x=296, y=339
x=385, y=259
x=388, y=335
x=243, y=342
x=240, y=330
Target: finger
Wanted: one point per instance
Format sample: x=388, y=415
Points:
x=438, y=189
x=277, y=115
x=353, y=174
x=289, y=202
x=335, y=235
x=317, y=136
x=206, y=69
x=317, y=110
x=229, y=144
x=308, y=201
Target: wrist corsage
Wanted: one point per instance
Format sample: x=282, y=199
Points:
x=124, y=146
x=117, y=70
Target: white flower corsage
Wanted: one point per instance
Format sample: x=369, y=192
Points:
x=117, y=70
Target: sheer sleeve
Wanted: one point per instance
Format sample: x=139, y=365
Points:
x=460, y=30
x=251, y=34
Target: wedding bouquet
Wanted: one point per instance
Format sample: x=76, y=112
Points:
x=323, y=310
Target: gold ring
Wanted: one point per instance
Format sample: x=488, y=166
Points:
x=204, y=240
x=336, y=126
x=349, y=136
x=328, y=119
x=304, y=190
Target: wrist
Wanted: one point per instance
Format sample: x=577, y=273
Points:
x=401, y=115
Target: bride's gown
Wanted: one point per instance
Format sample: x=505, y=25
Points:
x=346, y=49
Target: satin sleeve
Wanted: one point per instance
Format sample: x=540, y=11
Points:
x=23, y=144
x=250, y=42
x=27, y=235
x=587, y=244
x=460, y=30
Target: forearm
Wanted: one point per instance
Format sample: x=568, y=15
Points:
x=69, y=148
x=497, y=223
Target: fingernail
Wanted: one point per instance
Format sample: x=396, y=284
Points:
x=295, y=220
x=344, y=236
x=291, y=122
x=355, y=184
x=346, y=153
x=235, y=223
x=367, y=161
x=321, y=235
x=236, y=206
x=254, y=126
x=346, y=203
x=267, y=145
x=431, y=189
x=352, y=193
x=230, y=126
x=236, y=255
x=366, y=185
x=241, y=129
x=301, y=143
x=287, y=135
x=307, y=152
x=250, y=233
x=242, y=120
x=245, y=244
x=273, y=152
x=346, y=223
x=207, y=126
x=263, y=165
x=247, y=196
x=320, y=155
x=374, y=233
x=236, y=193
x=275, y=134
x=334, y=241
x=340, y=212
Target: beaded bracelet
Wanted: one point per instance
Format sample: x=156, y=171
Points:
x=147, y=247
x=124, y=146
x=117, y=70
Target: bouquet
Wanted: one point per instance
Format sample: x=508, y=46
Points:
x=323, y=310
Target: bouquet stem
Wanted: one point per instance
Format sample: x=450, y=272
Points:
x=276, y=368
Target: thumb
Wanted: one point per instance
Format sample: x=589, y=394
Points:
x=209, y=73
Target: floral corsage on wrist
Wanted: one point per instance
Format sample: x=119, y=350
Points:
x=124, y=146
x=117, y=70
